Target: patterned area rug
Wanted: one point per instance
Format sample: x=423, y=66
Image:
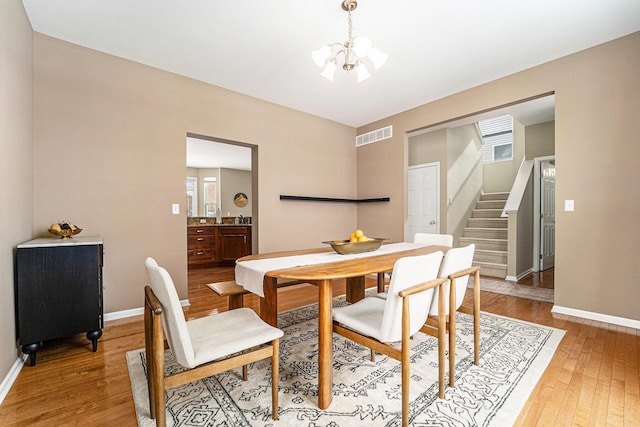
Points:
x=513, y=356
x=513, y=289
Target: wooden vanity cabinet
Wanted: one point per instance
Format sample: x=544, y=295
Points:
x=201, y=245
x=233, y=242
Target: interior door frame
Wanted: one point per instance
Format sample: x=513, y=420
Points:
x=408, y=238
x=536, y=209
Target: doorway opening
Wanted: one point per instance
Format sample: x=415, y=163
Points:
x=434, y=142
x=221, y=190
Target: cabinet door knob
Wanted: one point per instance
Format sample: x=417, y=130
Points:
x=200, y=239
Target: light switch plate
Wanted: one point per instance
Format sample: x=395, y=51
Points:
x=175, y=209
x=568, y=205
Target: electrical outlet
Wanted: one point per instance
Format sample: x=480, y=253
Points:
x=175, y=209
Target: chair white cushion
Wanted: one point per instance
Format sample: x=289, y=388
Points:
x=208, y=338
x=173, y=320
x=456, y=259
x=382, y=318
x=364, y=316
x=220, y=335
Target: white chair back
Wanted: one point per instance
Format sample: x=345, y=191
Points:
x=173, y=320
x=433, y=239
x=455, y=260
x=407, y=272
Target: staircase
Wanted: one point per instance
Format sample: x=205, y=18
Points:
x=488, y=230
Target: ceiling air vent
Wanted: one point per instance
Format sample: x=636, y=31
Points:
x=374, y=136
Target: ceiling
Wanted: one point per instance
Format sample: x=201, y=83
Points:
x=263, y=48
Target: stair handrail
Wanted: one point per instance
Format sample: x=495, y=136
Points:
x=519, y=186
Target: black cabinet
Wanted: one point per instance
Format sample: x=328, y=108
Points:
x=58, y=291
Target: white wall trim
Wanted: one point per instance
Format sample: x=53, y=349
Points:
x=519, y=276
x=134, y=312
x=622, y=321
x=8, y=381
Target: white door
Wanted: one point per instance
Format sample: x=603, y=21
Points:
x=423, y=199
x=547, y=213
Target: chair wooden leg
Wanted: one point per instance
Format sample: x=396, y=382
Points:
x=157, y=353
x=452, y=332
x=235, y=301
x=476, y=318
x=275, y=377
x=245, y=373
x=441, y=343
x=373, y=356
x=405, y=362
x=148, y=347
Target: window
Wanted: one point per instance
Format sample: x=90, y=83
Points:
x=497, y=138
x=192, y=196
x=210, y=196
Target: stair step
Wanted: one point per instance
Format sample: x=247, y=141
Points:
x=494, y=257
x=486, y=213
x=490, y=204
x=486, y=233
x=487, y=223
x=485, y=244
x=491, y=269
x=494, y=196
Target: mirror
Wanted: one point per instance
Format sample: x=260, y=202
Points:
x=216, y=173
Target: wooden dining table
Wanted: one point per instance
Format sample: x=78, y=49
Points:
x=322, y=275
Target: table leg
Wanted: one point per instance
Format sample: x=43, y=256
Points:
x=381, y=282
x=269, y=304
x=355, y=289
x=325, y=344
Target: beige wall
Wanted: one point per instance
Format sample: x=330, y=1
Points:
x=109, y=155
x=464, y=176
x=540, y=140
x=16, y=181
x=233, y=181
x=597, y=102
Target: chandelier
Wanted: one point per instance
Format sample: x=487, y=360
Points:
x=354, y=50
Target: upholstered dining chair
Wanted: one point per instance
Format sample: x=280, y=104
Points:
x=378, y=323
x=456, y=267
x=423, y=238
x=205, y=346
x=433, y=239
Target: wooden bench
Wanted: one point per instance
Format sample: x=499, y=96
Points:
x=235, y=292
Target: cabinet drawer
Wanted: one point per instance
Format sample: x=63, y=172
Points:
x=200, y=256
x=199, y=231
x=202, y=241
x=233, y=230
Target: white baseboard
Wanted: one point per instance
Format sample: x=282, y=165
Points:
x=133, y=312
x=615, y=320
x=8, y=381
x=519, y=276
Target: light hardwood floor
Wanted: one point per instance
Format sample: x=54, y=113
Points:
x=593, y=379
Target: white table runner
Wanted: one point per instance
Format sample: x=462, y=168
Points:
x=250, y=274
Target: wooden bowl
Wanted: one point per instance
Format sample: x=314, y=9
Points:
x=65, y=234
x=345, y=247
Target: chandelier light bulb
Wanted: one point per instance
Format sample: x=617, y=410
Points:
x=362, y=46
x=362, y=72
x=321, y=55
x=377, y=58
x=329, y=69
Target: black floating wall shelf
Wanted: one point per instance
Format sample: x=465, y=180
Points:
x=332, y=199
